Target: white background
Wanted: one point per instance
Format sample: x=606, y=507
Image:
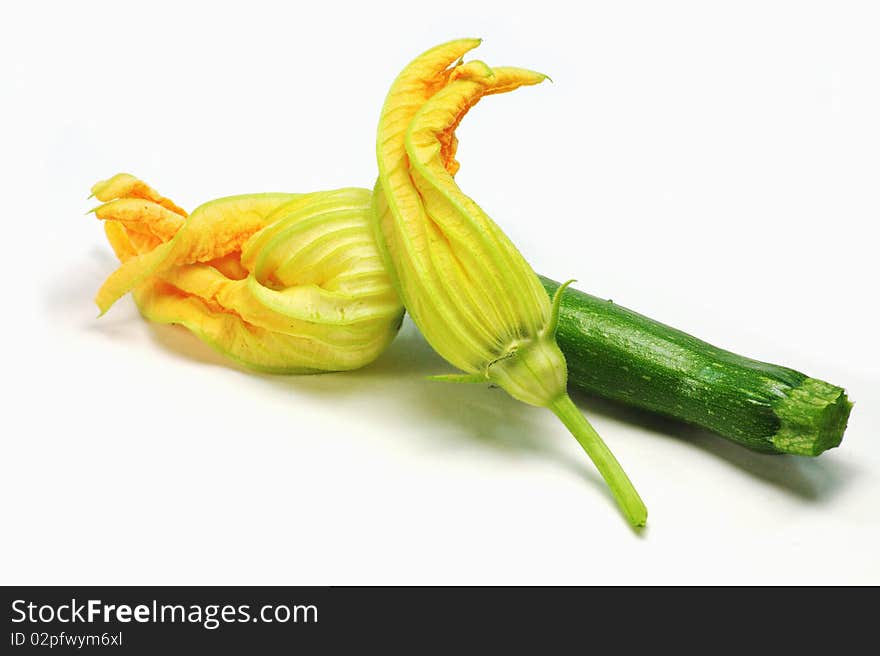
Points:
x=711, y=165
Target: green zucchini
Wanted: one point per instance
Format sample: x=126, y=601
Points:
x=619, y=354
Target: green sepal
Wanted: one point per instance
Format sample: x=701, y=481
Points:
x=554, y=308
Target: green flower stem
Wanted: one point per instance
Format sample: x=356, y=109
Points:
x=622, y=488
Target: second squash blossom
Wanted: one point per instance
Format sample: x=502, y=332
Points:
x=470, y=291
x=282, y=283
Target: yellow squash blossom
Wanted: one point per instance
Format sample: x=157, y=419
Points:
x=466, y=286
x=283, y=283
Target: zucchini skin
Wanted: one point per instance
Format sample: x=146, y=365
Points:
x=619, y=354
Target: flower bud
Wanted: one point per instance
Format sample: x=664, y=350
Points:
x=467, y=287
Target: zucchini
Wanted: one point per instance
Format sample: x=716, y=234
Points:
x=619, y=354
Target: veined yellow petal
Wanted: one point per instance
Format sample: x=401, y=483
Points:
x=301, y=209
x=142, y=216
x=249, y=345
x=230, y=266
x=125, y=185
x=132, y=273
x=118, y=237
x=212, y=231
x=467, y=231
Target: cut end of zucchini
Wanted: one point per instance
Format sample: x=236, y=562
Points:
x=813, y=418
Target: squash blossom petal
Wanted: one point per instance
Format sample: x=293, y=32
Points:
x=282, y=283
x=467, y=287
